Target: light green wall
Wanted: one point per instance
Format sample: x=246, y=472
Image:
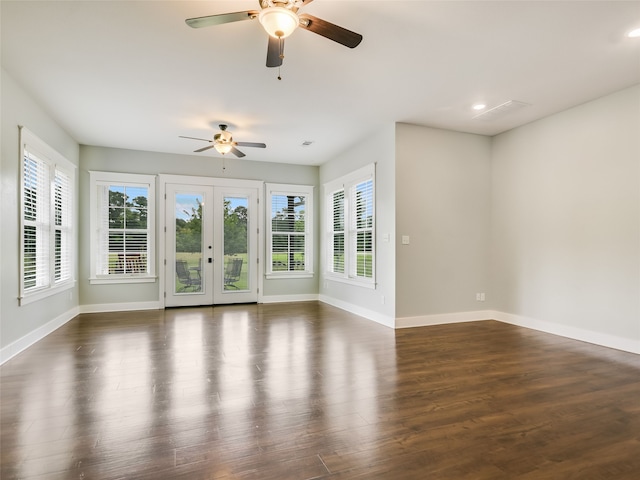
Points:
x=379, y=303
x=133, y=161
x=19, y=109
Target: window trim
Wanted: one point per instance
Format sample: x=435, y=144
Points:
x=346, y=184
x=55, y=162
x=98, y=179
x=290, y=190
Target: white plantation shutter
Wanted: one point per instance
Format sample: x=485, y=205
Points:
x=124, y=236
x=102, y=260
x=37, y=219
x=47, y=224
x=289, y=230
x=337, y=217
x=362, y=229
x=63, y=220
x=122, y=227
x=351, y=227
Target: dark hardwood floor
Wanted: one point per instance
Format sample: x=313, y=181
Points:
x=305, y=390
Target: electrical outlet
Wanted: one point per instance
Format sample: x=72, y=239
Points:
x=480, y=297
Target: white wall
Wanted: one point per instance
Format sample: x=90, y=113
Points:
x=566, y=222
x=376, y=304
x=442, y=205
x=132, y=161
x=17, y=323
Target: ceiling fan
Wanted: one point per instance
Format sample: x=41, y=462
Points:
x=223, y=143
x=280, y=18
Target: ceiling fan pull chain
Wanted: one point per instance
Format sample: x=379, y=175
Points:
x=281, y=54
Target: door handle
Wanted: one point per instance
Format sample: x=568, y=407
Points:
x=209, y=260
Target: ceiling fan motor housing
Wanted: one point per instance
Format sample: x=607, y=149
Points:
x=223, y=137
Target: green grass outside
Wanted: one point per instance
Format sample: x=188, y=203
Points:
x=364, y=265
x=280, y=262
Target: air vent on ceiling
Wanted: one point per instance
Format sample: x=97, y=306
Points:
x=502, y=109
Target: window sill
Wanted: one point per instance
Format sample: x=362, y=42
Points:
x=45, y=292
x=122, y=279
x=352, y=281
x=288, y=275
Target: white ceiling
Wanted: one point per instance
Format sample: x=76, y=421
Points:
x=132, y=74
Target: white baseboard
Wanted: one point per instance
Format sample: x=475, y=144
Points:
x=444, y=318
x=589, y=336
x=120, y=307
x=288, y=298
x=39, y=333
x=363, y=312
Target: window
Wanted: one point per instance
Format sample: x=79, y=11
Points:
x=122, y=247
x=351, y=226
x=47, y=228
x=289, y=231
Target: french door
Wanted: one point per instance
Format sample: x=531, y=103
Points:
x=211, y=243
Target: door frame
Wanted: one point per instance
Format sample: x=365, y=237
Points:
x=163, y=180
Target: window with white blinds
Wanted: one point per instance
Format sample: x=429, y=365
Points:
x=361, y=229
x=47, y=225
x=123, y=227
x=289, y=231
x=351, y=226
x=337, y=222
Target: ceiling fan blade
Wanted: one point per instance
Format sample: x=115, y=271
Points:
x=329, y=30
x=237, y=152
x=210, y=20
x=194, y=138
x=204, y=148
x=251, y=144
x=275, y=50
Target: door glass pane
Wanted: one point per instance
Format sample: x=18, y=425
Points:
x=188, y=254
x=236, y=261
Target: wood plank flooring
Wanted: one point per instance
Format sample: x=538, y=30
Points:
x=307, y=391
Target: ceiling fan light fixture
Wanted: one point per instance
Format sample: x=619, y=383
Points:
x=223, y=148
x=279, y=22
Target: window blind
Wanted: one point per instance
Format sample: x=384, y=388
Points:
x=124, y=230
x=338, y=231
x=362, y=229
x=351, y=227
x=36, y=222
x=63, y=221
x=289, y=232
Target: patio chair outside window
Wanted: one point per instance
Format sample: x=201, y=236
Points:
x=185, y=278
x=232, y=271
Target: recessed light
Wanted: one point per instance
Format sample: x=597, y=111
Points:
x=635, y=33
x=479, y=106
